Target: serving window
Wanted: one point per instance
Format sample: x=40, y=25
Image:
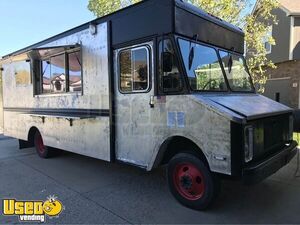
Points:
x=58, y=70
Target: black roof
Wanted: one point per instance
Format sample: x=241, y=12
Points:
x=156, y=17
x=201, y=13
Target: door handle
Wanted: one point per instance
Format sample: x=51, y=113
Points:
x=151, y=103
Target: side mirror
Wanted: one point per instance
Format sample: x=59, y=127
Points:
x=167, y=62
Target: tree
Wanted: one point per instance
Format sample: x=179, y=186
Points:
x=228, y=10
x=255, y=25
x=258, y=30
x=104, y=7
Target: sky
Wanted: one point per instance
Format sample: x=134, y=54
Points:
x=25, y=22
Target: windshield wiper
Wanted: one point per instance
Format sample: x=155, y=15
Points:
x=192, y=52
x=230, y=64
x=191, y=57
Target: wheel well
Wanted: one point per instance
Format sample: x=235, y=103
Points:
x=175, y=145
x=31, y=134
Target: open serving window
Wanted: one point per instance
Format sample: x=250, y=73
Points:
x=57, y=69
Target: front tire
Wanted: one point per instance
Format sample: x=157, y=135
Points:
x=191, y=182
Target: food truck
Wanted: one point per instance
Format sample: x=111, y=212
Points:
x=157, y=83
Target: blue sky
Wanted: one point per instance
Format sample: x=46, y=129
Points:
x=25, y=22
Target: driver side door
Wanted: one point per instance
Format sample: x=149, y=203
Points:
x=134, y=91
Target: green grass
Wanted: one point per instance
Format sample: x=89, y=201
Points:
x=297, y=137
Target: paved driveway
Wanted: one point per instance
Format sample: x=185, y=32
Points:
x=93, y=191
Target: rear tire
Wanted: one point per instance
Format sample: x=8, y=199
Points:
x=191, y=182
x=42, y=150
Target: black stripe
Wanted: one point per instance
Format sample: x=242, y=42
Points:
x=82, y=113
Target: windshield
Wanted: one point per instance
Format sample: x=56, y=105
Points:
x=235, y=69
x=205, y=72
x=203, y=68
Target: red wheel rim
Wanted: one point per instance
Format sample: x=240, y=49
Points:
x=189, y=181
x=40, y=144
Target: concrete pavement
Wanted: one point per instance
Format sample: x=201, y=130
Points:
x=94, y=191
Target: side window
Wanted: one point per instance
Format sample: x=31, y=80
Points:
x=22, y=72
x=266, y=40
x=54, y=76
x=169, y=75
x=134, y=70
x=75, y=76
x=46, y=77
x=61, y=73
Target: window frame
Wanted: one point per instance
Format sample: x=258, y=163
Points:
x=246, y=69
x=220, y=63
x=223, y=70
x=132, y=48
x=266, y=41
x=160, y=89
x=79, y=49
x=270, y=47
x=42, y=77
x=30, y=76
x=66, y=53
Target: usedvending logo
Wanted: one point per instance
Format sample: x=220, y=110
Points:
x=33, y=211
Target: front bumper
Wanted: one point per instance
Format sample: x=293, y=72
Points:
x=256, y=173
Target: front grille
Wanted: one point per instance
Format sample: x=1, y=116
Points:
x=274, y=133
x=270, y=135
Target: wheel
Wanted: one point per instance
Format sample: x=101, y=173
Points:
x=42, y=150
x=191, y=182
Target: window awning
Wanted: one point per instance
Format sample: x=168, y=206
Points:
x=44, y=52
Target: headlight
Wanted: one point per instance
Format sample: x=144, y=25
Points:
x=248, y=143
x=291, y=128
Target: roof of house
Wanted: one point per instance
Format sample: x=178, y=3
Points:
x=291, y=6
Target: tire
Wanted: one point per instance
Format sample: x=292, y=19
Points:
x=42, y=150
x=191, y=182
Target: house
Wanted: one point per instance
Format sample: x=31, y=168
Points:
x=283, y=83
